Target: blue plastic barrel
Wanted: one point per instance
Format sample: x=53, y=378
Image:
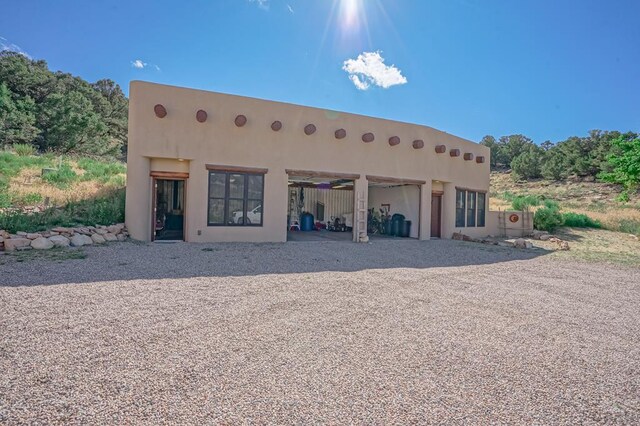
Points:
x=306, y=222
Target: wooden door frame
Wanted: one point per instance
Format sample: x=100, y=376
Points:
x=155, y=177
x=437, y=194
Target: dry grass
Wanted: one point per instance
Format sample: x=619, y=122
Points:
x=29, y=181
x=597, y=245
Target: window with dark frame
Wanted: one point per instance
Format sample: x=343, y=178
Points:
x=235, y=199
x=460, y=207
x=471, y=209
x=482, y=199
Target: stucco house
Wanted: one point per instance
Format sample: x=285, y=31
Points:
x=212, y=167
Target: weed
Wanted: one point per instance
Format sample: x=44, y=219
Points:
x=24, y=150
x=61, y=177
x=52, y=255
x=101, y=171
x=629, y=226
x=104, y=210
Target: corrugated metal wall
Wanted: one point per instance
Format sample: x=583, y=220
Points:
x=336, y=202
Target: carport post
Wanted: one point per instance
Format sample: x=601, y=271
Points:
x=360, y=206
x=425, y=211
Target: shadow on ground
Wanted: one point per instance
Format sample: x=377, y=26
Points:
x=132, y=261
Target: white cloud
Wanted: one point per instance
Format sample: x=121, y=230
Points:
x=290, y=8
x=262, y=4
x=369, y=69
x=7, y=45
x=138, y=64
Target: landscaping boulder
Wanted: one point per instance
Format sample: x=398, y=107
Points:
x=101, y=231
x=79, y=240
x=121, y=237
x=115, y=229
x=109, y=237
x=545, y=237
x=520, y=243
x=12, y=244
x=59, y=241
x=98, y=239
x=33, y=236
x=21, y=234
x=41, y=243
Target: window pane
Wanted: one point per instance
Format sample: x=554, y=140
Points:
x=254, y=212
x=236, y=186
x=216, y=184
x=481, y=208
x=236, y=212
x=471, y=208
x=460, y=204
x=216, y=211
x=255, y=186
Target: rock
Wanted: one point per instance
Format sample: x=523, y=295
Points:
x=537, y=235
x=114, y=229
x=101, y=231
x=1, y=239
x=33, y=236
x=21, y=234
x=564, y=245
x=545, y=237
x=634, y=237
x=528, y=244
x=457, y=236
x=79, y=240
x=520, y=243
x=12, y=244
x=41, y=243
x=61, y=229
x=109, y=237
x=121, y=237
x=59, y=241
x=98, y=239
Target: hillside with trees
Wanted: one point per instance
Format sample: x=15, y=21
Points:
x=610, y=156
x=58, y=112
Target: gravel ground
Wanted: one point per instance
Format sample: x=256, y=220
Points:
x=390, y=332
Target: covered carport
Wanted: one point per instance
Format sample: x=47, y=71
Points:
x=326, y=197
x=389, y=196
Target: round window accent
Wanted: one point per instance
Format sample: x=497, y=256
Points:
x=309, y=129
x=340, y=134
x=160, y=111
x=201, y=116
x=240, y=120
x=513, y=218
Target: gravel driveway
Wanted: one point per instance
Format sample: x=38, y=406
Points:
x=390, y=332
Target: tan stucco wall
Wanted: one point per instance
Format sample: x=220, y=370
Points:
x=219, y=141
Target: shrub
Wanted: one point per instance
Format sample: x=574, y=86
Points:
x=61, y=177
x=629, y=226
x=523, y=202
x=578, y=220
x=24, y=150
x=551, y=204
x=547, y=219
x=527, y=164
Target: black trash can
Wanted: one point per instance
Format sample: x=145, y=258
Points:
x=397, y=223
x=406, y=228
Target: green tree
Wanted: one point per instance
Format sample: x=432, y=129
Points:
x=527, y=165
x=512, y=146
x=554, y=166
x=17, y=118
x=624, y=162
x=72, y=126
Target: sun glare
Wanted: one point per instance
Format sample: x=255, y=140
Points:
x=350, y=15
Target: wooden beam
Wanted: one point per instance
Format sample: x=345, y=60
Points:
x=169, y=175
x=325, y=175
x=400, y=181
x=236, y=169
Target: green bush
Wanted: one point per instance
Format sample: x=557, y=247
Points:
x=551, y=204
x=523, y=202
x=547, y=219
x=105, y=210
x=24, y=150
x=577, y=220
x=61, y=177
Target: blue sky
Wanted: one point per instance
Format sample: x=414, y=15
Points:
x=547, y=69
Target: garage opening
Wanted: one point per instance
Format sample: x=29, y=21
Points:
x=394, y=208
x=320, y=206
